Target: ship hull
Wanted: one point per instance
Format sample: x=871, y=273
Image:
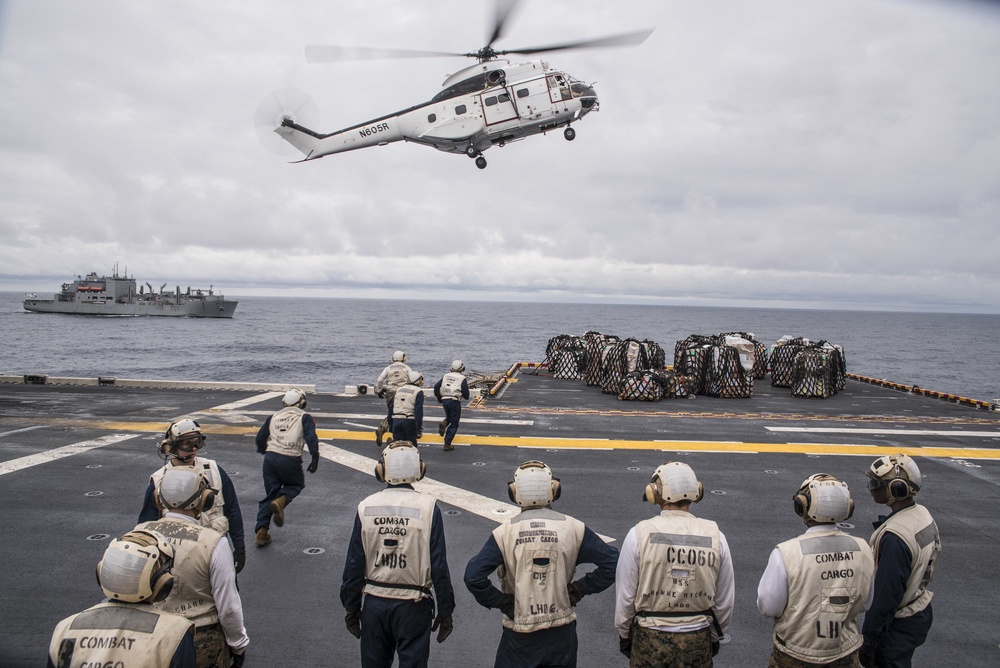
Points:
x=191, y=309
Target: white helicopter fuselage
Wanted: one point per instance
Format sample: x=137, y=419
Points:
x=488, y=104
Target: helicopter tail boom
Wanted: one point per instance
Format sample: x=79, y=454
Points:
x=314, y=145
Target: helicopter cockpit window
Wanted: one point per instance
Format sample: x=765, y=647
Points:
x=432, y=118
x=523, y=92
x=490, y=101
x=460, y=109
x=470, y=85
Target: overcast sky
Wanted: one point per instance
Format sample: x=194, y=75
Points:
x=831, y=153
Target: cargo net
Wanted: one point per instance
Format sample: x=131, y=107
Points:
x=722, y=365
x=652, y=385
x=819, y=371
x=597, y=346
x=625, y=357
x=726, y=375
x=566, y=357
x=760, y=352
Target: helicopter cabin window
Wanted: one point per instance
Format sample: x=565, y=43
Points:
x=504, y=97
x=460, y=109
x=490, y=101
x=431, y=118
x=523, y=92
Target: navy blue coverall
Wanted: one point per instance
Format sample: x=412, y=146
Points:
x=283, y=475
x=452, y=409
x=409, y=430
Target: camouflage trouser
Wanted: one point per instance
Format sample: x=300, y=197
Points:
x=781, y=660
x=210, y=647
x=659, y=649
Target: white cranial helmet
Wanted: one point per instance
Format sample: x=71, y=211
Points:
x=897, y=472
x=184, y=489
x=824, y=499
x=400, y=464
x=673, y=482
x=294, y=397
x=458, y=366
x=533, y=485
x=415, y=378
x=136, y=567
x=399, y=356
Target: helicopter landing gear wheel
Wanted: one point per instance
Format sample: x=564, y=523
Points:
x=569, y=133
x=481, y=162
x=471, y=151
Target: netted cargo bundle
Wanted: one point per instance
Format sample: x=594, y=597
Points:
x=674, y=384
x=653, y=356
x=692, y=342
x=620, y=361
x=597, y=346
x=815, y=372
x=691, y=360
x=782, y=359
x=568, y=364
x=760, y=352
x=640, y=386
x=562, y=342
x=726, y=376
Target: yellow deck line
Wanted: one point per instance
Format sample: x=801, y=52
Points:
x=734, y=447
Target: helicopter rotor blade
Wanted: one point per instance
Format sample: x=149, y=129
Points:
x=504, y=10
x=325, y=53
x=625, y=39
x=284, y=102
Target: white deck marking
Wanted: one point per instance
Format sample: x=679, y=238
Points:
x=471, y=502
x=893, y=432
x=249, y=401
x=65, y=451
x=18, y=431
x=380, y=416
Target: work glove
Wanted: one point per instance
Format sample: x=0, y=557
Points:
x=239, y=558
x=420, y=435
x=445, y=624
x=238, y=659
x=353, y=621
x=575, y=595
x=381, y=394
x=507, y=605
x=312, y=466
x=625, y=646
x=866, y=656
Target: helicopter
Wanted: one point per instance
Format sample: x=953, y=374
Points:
x=492, y=103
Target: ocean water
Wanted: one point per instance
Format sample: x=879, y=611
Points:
x=332, y=343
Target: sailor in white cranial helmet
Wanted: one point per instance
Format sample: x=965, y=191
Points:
x=395, y=558
x=392, y=378
x=407, y=416
x=797, y=587
x=205, y=588
x=451, y=391
x=134, y=574
x=906, y=545
x=674, y=589
x=182, y=446
x=281, y=439
x=535, y=555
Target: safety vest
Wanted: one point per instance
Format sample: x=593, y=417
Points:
x=396, y=534
x=397, y=375
x=451, y=385
x=679, y=562
x=286, y=436
x=829, y=576
x=193, y=544
x=126, y=635
x=539, y=548
x=215, y=516
x=917, y=529
x=405, y=405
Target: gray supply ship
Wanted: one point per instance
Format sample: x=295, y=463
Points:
x=117, y=295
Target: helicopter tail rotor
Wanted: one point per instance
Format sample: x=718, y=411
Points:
x=280, y=104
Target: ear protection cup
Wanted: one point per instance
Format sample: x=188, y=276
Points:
x=652, y=493
x=380, y=470
x=162, y=584
x=510, y=492
x=801, y=503
x=850, y=510
x=556, y=489
x=899, y=490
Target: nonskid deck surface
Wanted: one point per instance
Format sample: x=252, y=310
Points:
x=74, y=462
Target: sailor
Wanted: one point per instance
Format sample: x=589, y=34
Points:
x=674, y=588
x=124, y=629
x=408, y=409
x=205, y=587
x=281, y=440
x=535, y=555
x=451, y=391
x=396, y=555
x=392, y=377
x=906, y=545
x=181, y=445
x=816, y=585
